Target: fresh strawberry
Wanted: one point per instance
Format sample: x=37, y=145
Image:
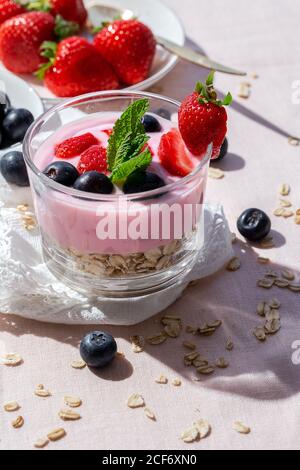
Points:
x=9, y=9
x=71, y=10
x=93, y=159
x=173, y=154
x=76, y=68
x=75, y=146
x=203, y=119
x=129, y=46
x=108, y=132
x=21, y=38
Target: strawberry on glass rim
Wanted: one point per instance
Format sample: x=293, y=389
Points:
x=202, y=119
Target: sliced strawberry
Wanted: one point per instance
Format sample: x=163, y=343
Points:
x=108, y=132
x=173, y=154
x=75, y=145
x=93, y=159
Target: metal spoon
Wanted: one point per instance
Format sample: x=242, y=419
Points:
x=99, y=13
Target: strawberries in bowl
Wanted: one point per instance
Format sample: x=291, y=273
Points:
x=75, y=67
x=9, y=9
x=129, y=46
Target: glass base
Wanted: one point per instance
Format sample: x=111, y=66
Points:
x=120, y=276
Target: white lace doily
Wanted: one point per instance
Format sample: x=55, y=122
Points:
x=28, y=289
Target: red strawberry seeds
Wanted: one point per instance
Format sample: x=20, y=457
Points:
x=203, y=119
x=93, y=159
x=75, y=146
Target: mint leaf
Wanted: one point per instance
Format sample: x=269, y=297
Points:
x=122, y=171
x=128, y=123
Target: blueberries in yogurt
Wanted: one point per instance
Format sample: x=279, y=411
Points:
x=151, y=124
x=141, y=181
x=94, y=182
x=62, y=172
x=254, y=224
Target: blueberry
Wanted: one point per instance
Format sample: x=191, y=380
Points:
x=254, y=224
x=164, y=113
x=98, y=349
x=62, y=172
x=4, y=105
x=141, y=181
x=16, y=123
x=13, y=169
x=151, y=124
x=94, y=182
x=224, y=150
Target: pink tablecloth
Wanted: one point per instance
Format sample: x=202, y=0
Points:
x=261, y=387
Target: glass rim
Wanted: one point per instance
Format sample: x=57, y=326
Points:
x=96, y=196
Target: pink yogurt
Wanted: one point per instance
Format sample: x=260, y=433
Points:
x=74, y=223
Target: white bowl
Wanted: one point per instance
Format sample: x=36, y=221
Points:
x=21, y=95
x=162, y=21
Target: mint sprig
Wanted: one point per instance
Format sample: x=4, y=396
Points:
x=126, y=150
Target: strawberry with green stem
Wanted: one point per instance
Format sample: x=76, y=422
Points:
x=75, y=67
x=203, y=119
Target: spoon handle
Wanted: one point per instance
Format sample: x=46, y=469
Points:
x=195, y=57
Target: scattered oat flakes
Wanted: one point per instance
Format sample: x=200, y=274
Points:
x=229, y=345
x=271, y=274
x=215, y=324
x=18, y=422
x=297, y=220
x=173, y=329
x=73, y=402
x=135, y=401
x=190, y=357
x=22, y=207
x=162, y=379
x=295, y=141
x=41, y=443
x=287, y=213
x=69, y=415
x=203, y=427
x=189, y=345
x=120, y=354
x=259, y=333
x=137, y=343
x=263, y=260
x=244, y=90
x=285, y=189
x=254, y=75
x=297, y=212
x=221, y=363
x=294, y=287
x=241, y=428
x=265, y=283
x=56, y=434
x=149, y=413
x=78, y=364
x=272, y=326
x=267, y=242
x=11, y=406
x=156, y=339
x=272, y=315
x=262, y=309
x=288, y=274
x=190, y=435
x=11, y=359
x=206, y=370
x=274, y=303
x=176, y=382
x=215, y=173
x=282, y=283
x=40, y=391
x=279, y=212
x=200, y=362
x=285, y=203
x=206, y=330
